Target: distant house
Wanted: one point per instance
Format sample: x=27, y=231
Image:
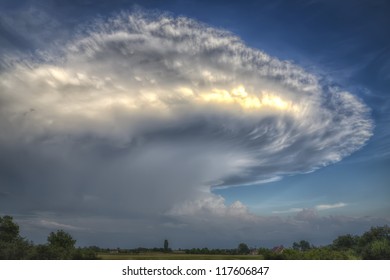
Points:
x=278, y=249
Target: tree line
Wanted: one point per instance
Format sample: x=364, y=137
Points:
x=371, y=245
x=60, y=245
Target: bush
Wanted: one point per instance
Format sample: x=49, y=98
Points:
x=377, y=250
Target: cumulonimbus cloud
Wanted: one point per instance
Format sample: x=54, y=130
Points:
x=138, y=117
x=139, y=77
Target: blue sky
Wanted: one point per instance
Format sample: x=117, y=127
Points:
x=209, y=123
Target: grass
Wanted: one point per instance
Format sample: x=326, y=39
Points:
x=175, y=256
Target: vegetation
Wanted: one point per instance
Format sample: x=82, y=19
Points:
x=207, y=251
x=372, y=245
x=243, y=249
x=303, y=245
x=166, y=246
x=60, y=245
x=12, y=245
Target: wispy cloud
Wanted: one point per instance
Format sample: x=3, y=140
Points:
x=291, y=210
x=330, y=206
x=319, y=207
x=55, y=225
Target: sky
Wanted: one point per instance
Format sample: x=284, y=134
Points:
x=207, y=123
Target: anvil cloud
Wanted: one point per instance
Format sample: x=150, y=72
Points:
x=140, y=116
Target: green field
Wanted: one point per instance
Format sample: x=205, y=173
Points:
x=175, y=256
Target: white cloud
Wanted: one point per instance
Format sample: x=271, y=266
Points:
x=291, y=210
x=210, y=207
x=136, y=76
x=319, y=207
x=330, y=206
x=141, y=115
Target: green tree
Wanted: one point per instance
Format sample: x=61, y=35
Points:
x=61, y=239
x=375, y=233
x=60, y=246
x=324, y=253
x=293, y=254
x=377, y=250
x=344, y=242
x=243, y=249
x=9, y=231
x=12, y=245
x=303, y=245
x=375, y=243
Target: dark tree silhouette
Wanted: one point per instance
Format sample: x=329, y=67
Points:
x=61, y=239
x=243, y=249
x=344, y=242
x=166, y=245
x=12, y=245
x=303, y=245
x=9, y=231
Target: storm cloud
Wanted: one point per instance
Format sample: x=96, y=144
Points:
x=135, y=120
